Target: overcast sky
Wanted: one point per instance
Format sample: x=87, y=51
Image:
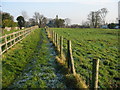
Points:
x=76, y=10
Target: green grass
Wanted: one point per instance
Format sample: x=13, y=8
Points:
x=94, y=43
x=14, y=61
x=8, y=32
x=37, y=69
x=86, y=45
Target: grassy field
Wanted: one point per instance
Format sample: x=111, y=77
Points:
x=8, y=32
x=31, y=64
x=88, y=44
x=41, y=71
x=14, y=61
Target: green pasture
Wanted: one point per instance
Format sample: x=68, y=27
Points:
x=88, y=44
x=14, y=60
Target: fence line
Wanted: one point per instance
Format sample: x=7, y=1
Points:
x=61, y=46
x=70, y=61
x=60, y=49
x=9, y=40
x=70, y=58
x=95, y=73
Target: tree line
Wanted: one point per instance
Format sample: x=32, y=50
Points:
x=95, y=19
x=7, y=20
x=37, y=19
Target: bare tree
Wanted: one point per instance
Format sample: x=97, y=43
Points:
x=91, y=19
x=24, y=14
x=40, y=19
x=32, y=22
x=97, y=18
x=44, y=22
x=85, y=24
x=102, y=13
x=67, y=21
x=36, y=17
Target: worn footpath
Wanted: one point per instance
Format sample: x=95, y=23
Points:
x=41, y=71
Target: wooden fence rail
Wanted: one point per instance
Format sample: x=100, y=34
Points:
x=9, y=40
x=70, y=61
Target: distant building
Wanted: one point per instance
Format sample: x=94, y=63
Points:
x=56, y=16
x=117, y=27
x=104, y=26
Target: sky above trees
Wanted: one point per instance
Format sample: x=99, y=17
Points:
x=76, y=10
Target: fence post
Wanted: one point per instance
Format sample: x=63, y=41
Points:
x=14, y=37
x=70, y=58
x=47, y=30
x=10, y=39
x=6, y=42
x=27, y=32
x=61, y=46
x=95, y=73
x=19, y=35
x=53, y=37
x=23, y=33
x=1, y=52
x=50, y=33
x=56, y=40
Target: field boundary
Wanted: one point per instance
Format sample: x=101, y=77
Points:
x=9, y=40
x=66, y=58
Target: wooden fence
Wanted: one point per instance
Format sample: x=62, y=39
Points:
x=58, y=42
x=9, y=40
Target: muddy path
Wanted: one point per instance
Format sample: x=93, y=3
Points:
x=42, y=70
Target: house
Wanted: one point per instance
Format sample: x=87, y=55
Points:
x=8, y=28
x=104, y=26
x=117, y=27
